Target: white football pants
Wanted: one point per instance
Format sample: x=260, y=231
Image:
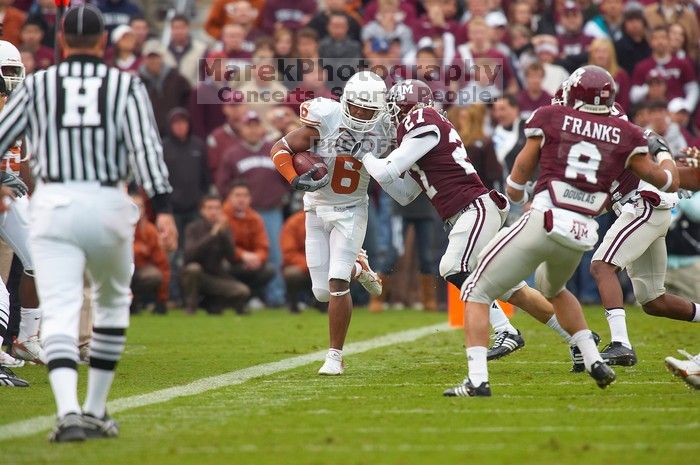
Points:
x=82, y=226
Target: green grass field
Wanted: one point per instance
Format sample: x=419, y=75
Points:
x=386, y=409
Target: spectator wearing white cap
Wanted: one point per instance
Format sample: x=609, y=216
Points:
x=498, y=23
x=122, y=55
x=547, y=50
x=679, y=111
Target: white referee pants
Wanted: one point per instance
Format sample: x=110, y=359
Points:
x=77, y=227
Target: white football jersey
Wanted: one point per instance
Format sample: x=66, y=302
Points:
x=349, y=178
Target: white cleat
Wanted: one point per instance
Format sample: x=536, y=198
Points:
x=368, y=278
x=333, y=366
x=9, y=361
x=688, y=370
x=29, y=350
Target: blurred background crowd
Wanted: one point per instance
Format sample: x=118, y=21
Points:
x=241, y=229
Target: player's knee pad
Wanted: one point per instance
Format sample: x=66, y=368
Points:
x=322, y=295
x=457, y=279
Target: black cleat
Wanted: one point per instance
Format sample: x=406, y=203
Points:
x=104, y=427
x=602, y=374
x=505, y=343
x=467, y=389
x=617, y=354
x=69, y=428
x=577, y=358
x=8, y=378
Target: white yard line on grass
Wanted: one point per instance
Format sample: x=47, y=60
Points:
x=39, y=424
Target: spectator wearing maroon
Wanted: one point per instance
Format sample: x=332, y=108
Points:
x=123, y=53
x=533, y=96
x=678, y=73
x=387, y=26
x=434, y=22
x=185, y=49
x=117, y=12
x=208, y=99
x=44, y=14
x=233, y=46
x=243, y=12
x=658, y=89
x=320, y=22
x=268, y=191
x=31, y=36
x=224, y=137
x=547, y=50
x=283, y=40
x=337, y=49
x=573, y=43
x=601, y=53
x=166, y=87
x=480, y=50
x=142, y=32
x=609, y=22
x=283, y=13
x=632, y=47
x=668, y=12
x=11, y=20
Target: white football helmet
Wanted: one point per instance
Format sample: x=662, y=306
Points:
x=11, y=67
x=365, y=90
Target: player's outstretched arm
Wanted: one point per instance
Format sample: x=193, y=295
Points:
x=404, y=190
x=299, y=140
x=389, y=169
x=663, y=175
x=524, y=166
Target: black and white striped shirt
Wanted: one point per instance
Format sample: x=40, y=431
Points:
x=86, y=121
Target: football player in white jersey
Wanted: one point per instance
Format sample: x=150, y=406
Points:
x=336, y=205
x=14, y=231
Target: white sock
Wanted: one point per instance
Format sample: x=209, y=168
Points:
x=478, y=371
x=499, y=320
x=696, y=318
x=64, y=383
x=584, y=341
x=99, y=384
x=339, y=352
x=618, y=327
x=554, y=324
x=29, y=323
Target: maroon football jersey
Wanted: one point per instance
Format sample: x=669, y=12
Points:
x=445, y=173
x=583, y=150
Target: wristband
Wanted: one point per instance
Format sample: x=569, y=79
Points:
x=669, y=181
x=515, y=185
x=661, y=156
x=525, y=198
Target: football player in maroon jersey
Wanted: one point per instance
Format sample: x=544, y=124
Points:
x=432, y=153
x=580, y=151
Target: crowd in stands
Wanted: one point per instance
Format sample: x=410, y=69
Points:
x=241, y=231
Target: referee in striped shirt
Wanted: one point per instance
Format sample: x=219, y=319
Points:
x=87, y=124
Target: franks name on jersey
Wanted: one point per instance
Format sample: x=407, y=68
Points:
x=581, y=154
x=445, y=173
x=592, y=129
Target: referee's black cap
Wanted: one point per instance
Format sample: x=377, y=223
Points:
x=83, y=20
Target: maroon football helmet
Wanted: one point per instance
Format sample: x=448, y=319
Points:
x=404, y=96
x=590, y=89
